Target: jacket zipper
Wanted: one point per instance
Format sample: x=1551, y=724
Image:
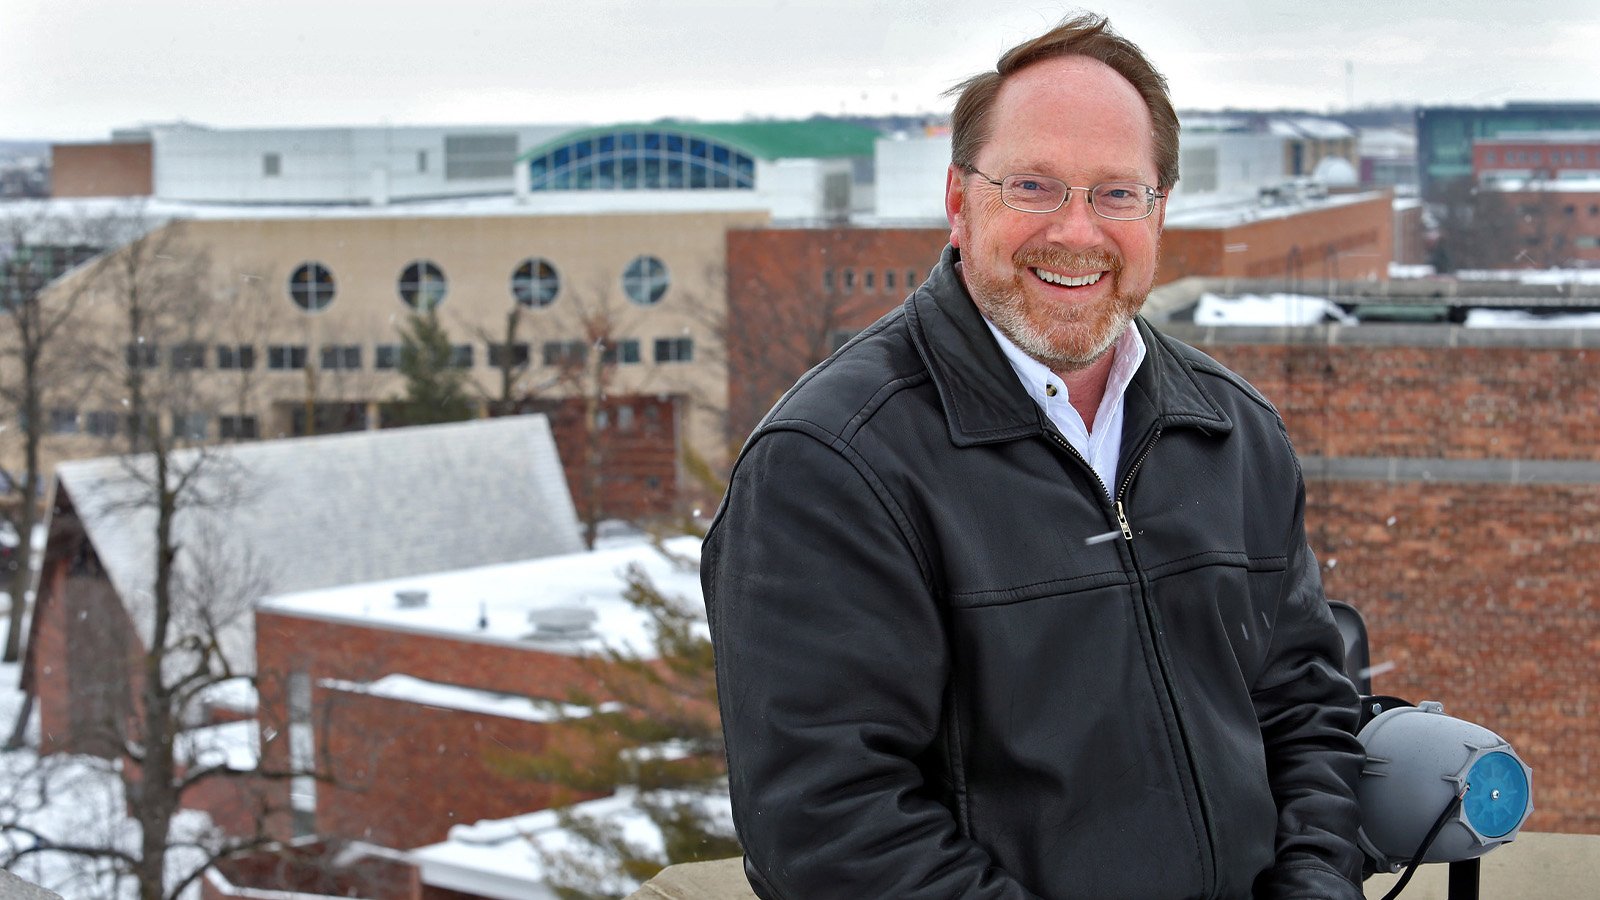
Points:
x=1148, y=616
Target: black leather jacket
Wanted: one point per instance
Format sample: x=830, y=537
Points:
x=934, y=685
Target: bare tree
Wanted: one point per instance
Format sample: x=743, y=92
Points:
x=36, y=248
x=158, y=303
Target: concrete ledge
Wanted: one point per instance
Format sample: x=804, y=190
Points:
x=721, y=879
x=1533, y=867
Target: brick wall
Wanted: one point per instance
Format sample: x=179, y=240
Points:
x=1479, y=592
x=403, y=773
x=387, y=754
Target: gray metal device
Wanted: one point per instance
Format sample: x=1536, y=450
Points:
x=1418, y=761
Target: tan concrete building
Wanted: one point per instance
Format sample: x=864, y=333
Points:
x=273, y=319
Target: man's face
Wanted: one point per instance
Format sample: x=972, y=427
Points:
x=1062, y=285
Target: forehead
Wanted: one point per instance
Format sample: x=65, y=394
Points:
x=1069, y=116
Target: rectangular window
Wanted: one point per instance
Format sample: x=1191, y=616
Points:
x=674, y=350
x=623, y=352
x=101, y=424
x=461, y=356
x=141, y=427
x=237, y=428
x=866, y=280
x=849, y=280
x=236, y=356
x=888, y=279
x=827, y=280
x=188, y=356
x=341, y=357
x=63, y=421
x=271, y=165
x=422, y=161
x=386, y=356
x=283, y=357
x=499, y=359
x=189, y=426
x=565, y=353
x=911, y=279
x=142, y=355
x=1488, y=157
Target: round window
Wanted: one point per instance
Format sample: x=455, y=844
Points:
x=311, y=286
x=422, y=285
x=645, y=280
x=535, y=282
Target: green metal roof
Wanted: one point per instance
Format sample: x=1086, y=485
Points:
x=808, y=139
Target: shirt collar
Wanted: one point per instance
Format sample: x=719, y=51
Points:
x=1039, y=381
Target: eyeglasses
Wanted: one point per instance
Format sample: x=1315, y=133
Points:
x=1123, y=201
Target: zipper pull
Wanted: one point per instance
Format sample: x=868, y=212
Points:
x=1122, y=520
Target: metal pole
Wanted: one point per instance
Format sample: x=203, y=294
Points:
x=1464, y=880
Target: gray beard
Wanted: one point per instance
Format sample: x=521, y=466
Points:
x=1001, y=300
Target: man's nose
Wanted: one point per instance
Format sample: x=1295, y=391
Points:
x=1075, y=224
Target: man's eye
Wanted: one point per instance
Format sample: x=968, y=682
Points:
x=1032, y=187
x=1117, y=194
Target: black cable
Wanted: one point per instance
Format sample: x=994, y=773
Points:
x=1450, y=809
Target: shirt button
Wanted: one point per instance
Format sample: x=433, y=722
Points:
x=1049, y=390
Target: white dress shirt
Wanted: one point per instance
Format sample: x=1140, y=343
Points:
x=1102, y=446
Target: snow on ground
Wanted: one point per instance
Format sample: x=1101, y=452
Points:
x=69, y=798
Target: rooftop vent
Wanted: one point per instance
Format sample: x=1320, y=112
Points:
x=562, y=623
x=411, y=598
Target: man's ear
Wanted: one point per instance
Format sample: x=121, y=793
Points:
x=955, y=199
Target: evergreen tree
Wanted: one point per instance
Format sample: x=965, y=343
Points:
x=436, y=389
x=655, y=736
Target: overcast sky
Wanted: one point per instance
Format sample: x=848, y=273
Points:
x=75, y=69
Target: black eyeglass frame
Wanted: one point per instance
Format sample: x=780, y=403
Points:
x=1151, y=195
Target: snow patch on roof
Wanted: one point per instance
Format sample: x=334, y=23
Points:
x=1273, y=309
x=408, y=689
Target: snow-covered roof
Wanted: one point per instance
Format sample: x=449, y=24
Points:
x=505, y=858
x=508, y=597
x=1310, y=127
x=1222, y=211
x=316, y=512
x=1589, y=184
x=1292, y=310
x=408, y=689
x=1273, y=309
x=154, y=211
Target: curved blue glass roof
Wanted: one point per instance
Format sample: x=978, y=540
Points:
x=644, y=158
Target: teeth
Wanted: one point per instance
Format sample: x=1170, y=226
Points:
x=1065, y=281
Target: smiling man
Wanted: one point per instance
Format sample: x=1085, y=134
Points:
x=1011, y=597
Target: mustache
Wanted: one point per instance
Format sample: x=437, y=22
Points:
x=1066, y=261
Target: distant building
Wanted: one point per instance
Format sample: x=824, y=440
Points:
x=1543, y=155
x=809, y=170
x=1445, y=134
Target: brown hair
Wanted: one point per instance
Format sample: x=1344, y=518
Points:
x=1083, y=35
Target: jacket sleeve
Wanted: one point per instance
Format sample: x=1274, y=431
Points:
x=1308, y=711
x=831, y=669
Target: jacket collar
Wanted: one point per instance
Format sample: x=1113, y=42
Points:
x=983, y=401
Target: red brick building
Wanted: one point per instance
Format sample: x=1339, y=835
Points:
x=1537, y=154
x=797, y=294
x=110, y=169
x=416, y=700
x=1453, y=496
x=1349, y=237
